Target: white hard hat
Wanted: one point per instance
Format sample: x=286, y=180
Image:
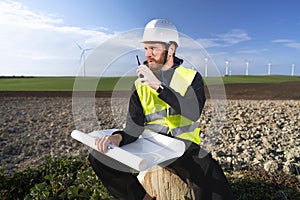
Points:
x=160, y=30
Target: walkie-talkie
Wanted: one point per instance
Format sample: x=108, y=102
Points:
x=139, y=63
x=138, y=60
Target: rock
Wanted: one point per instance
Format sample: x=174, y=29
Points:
x=238, y=149
x=10, y=166
x=263, y=151
x=11, y=150
x=238, y=137
x=271, y=166
x=292, y=168
x=11, y=130
x=220, y=154
x=259, y=156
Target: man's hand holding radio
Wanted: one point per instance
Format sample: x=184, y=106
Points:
x=146, y=76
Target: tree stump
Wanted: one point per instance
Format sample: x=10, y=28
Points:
x=165, y=185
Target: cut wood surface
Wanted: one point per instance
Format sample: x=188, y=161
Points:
x=164, y=184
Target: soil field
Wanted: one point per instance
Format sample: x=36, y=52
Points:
x=253, y=91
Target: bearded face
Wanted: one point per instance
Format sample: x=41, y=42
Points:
x=155, y=55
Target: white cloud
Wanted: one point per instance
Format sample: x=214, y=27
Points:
x=208, y=43
x=17, y=14
x=282, y=41
x=295, y=45
x=40, y=44
x=230, y=38
x=288, y=43
x=234, y=36
x=252, y=51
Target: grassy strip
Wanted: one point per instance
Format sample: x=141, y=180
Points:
x=72, y=178
x=115, y=83
x=37, y=84
x=259, y=79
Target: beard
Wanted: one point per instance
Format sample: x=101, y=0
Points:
x=156, y=64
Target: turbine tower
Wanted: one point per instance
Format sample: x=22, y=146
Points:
x=247, y=68
x=293, y=69
x=205, y=59
x=269, y=68
x=226, y=67
x=82, y=56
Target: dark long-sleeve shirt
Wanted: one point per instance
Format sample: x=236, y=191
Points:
x=190, y=105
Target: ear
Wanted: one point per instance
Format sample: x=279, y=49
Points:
x=171, y=49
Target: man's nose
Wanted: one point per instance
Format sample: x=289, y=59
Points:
x=148, y=53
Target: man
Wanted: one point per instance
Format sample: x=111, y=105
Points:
x=167, y=98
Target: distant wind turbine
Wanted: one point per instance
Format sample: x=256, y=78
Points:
x=269, y=68
x=82, y=56
x=247, y=68
x=205, y=59
x=293, y=69
x=226, y=67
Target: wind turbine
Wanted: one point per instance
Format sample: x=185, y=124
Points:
x=205, y=59
x=82, y=56
x=226, y=67
x=247, y=67
x=269, y=68
x=293, y=69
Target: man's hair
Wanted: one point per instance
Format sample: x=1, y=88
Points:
x=175, y=44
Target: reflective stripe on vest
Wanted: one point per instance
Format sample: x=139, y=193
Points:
x=160, y=117
x=176, y=131
x=160, y=114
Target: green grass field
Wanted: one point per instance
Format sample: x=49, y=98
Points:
x=116, y=83
x=64, y=83
x=259, y=79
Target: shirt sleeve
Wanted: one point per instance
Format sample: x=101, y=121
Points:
x=191, y=104
x=134, y=121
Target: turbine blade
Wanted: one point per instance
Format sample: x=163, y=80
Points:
x=78, y=45
x=81, y=56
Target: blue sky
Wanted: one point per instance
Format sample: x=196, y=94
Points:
x=37, y=37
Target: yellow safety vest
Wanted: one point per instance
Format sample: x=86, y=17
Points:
x=160, y=117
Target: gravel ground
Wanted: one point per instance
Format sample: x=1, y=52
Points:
x=247, y=134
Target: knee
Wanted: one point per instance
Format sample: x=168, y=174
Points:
x=91, y=159
x=94, y=161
